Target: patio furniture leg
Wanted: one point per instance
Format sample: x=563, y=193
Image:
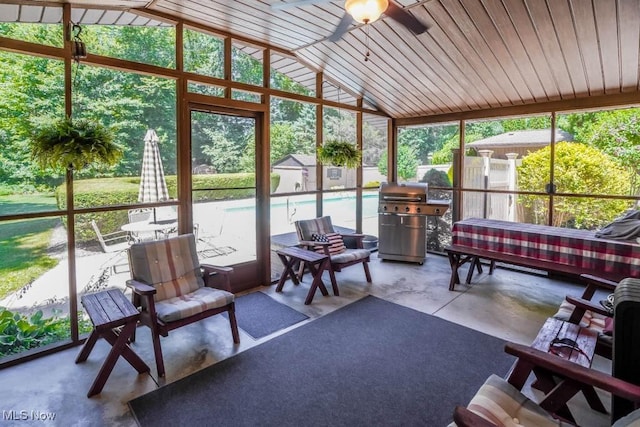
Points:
x=367, y=273
x=454, y=261
x=234, y=325
x=88, y=346
x=317, y=281
x=119, y=342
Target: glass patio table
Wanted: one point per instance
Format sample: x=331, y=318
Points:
x=158, y=228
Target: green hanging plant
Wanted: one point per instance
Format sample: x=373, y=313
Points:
x=340, y=154
x=74, y=144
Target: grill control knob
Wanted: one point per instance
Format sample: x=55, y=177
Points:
x=384, y=208
x=437, y=211
x=407, y=209
x=395, y=208
x=418, y=210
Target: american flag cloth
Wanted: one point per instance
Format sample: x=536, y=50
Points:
x=335, y=239
x=306, y=227
x=153, y=187
x=612, y=259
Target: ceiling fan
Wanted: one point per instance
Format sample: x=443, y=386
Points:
x=365, y=12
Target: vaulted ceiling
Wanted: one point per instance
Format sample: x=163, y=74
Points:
x=477, y=54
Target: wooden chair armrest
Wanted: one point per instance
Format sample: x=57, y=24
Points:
x=463, y=417
x=594, y=283
x=312, y=243
x=211, y=269
x=140, y=288
x=354, y=235
x=580, y=374
x=588, y=305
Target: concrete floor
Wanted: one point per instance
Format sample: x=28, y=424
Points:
x=509, y=305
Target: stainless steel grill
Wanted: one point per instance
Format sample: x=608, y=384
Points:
x=402, y=221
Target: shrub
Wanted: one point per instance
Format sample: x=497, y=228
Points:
x=89, y=193
x=579, y=169
x=436, y=178
x=19, y=332
x=229, y=186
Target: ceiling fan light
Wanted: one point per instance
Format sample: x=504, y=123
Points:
x=365, y=11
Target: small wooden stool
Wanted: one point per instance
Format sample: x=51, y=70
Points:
x=290, y=255
x=114, y=318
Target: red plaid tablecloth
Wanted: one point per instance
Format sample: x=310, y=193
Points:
x=579, y=248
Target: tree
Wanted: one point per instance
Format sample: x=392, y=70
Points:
x=224, y=154
x=616, y=133
x=445, y=154
x=579, y=169
x=426, y=140
x=407, y=163
x=31, y=94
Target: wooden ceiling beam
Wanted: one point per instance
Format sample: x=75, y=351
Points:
x=569, y=105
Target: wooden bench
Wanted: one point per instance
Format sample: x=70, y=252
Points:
x=460, y=255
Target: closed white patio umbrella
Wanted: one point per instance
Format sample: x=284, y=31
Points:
x=153, y=187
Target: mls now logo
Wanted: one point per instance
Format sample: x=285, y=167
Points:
x=28, y=415
x=15, y=415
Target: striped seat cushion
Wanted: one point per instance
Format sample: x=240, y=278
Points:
x=590, y=319
x=502, y=404
x=187, y=305
x=631, y=420
x=169, y=265
x=336, y=244
x=350, y=255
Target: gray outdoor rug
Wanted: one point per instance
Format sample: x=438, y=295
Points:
x=260, y=315
x=371, y=363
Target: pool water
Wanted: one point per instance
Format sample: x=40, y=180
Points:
x=286, y=210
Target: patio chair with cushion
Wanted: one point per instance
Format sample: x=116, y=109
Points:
x=500, y=402
x=172, y=289
x=318, y=234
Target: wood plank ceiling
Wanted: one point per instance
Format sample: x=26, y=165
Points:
x=477, y=54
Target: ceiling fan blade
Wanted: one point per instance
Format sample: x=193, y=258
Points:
x=342, y=28
x=296, y=3
x=405, y=18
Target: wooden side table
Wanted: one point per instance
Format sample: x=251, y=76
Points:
x=114, y=318
x=573, y=343
x=293, y=254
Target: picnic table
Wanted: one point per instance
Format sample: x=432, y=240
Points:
x=553, y=249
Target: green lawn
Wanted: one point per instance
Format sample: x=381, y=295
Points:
x=24, y=243
x=17, y=204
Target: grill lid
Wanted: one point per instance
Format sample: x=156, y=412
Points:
x=406, y=192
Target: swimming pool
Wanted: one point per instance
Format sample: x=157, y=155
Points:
x=286, y=210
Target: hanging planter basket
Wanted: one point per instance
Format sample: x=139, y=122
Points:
x=74, y=144
x=339, y=154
